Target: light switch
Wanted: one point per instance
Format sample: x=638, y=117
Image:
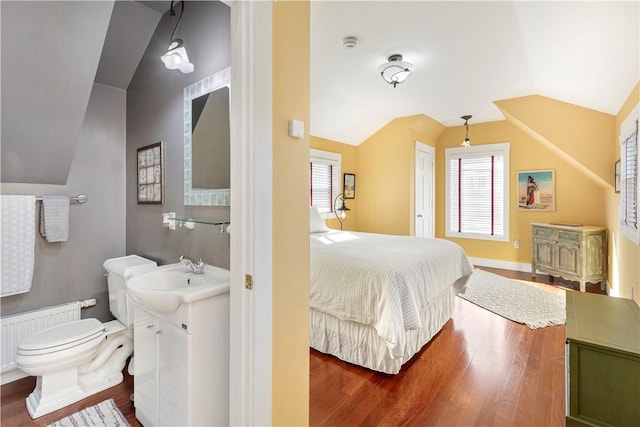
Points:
x=296, y=129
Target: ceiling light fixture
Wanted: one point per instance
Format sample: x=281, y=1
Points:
x=176, y=54
x=395, y=70
x=467, y=142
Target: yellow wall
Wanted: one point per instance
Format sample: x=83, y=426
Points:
x=385, y=182
x=624, y=255
x=578, y=198
x=290, y=389
x=349, y=165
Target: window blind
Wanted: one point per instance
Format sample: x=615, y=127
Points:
x=324, y=173
x=629, y=190
x=476, y=194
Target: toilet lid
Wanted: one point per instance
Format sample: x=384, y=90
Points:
x=65, y=335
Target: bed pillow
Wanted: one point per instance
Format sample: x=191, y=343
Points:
x=317, y=224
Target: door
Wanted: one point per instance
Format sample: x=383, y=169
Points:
x=425, y=188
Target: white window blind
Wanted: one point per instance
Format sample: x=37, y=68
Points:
x=324, y=173
x=477, y=190
x=629, y=181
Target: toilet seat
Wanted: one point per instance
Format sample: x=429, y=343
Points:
x=62, y=337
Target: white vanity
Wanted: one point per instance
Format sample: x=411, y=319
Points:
x=181, y=346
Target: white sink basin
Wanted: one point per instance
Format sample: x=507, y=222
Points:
x=163, y=289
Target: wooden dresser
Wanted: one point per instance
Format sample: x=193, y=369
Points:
x=573, y=252
x=602, y=360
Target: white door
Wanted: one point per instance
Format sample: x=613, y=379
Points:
x=425, y=188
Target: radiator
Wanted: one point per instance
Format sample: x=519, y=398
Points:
x=17, y=326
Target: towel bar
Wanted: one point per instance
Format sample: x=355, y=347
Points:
x=80, y=199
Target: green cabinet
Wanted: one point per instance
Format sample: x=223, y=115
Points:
x=602, y=360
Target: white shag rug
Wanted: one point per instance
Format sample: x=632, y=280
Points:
x=515, y=300
x=103, y=414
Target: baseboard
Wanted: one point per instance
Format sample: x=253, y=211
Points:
x=505, y=265
x=13, y=375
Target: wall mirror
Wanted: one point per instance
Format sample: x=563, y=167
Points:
x=207, y=142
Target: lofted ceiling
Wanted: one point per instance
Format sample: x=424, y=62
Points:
x=466, y=55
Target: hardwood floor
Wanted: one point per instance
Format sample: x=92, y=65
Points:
x=481, y=369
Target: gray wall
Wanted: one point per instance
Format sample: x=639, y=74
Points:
x=155, y=113
x=72, y=270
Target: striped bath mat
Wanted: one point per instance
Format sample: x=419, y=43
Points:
x=103, y=414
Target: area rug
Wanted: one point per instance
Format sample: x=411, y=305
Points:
x=515, y=300
x=103, y=414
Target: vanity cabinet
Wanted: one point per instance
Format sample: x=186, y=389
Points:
x=573, y=252
x=602, y=360
x=181, y=369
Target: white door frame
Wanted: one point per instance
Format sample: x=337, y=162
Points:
x=429, y=193
x=250, y=399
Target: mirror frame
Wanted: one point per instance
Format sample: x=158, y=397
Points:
x=202, y=196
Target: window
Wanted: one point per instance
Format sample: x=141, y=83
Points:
x=324, y=173
x=477, y=185
x=629, y=192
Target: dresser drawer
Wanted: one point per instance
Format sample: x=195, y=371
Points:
x=570, y=236
x=542, y=232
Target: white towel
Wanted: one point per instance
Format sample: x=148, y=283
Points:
x=17, y=234
x=54, y=218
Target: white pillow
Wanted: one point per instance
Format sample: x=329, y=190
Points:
x=316, y=223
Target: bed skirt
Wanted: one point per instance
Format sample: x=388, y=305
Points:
x=361, y=345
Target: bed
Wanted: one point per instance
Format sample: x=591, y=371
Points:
x=375, y=299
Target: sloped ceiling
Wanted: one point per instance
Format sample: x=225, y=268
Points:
x=52, y=53
x=467, y=55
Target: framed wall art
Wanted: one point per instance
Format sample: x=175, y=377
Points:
x=536, y=190
x=151, y=173
x=349, y=186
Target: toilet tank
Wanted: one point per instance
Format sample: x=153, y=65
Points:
x=119, y=270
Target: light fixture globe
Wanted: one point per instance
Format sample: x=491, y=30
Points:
x=176, y=57
x=395, y=70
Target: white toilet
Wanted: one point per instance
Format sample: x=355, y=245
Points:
x=79, y=358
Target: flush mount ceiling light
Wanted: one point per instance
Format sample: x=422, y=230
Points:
x=467, y=142
x=395, y=70
x=176, y=54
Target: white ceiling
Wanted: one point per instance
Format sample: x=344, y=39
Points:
x=466, y=55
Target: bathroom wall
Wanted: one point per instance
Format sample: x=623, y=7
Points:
x=155, y=113
x=72, y=270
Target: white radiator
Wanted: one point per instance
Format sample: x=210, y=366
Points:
x=17, y=326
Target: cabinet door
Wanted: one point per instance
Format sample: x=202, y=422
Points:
x=568, y=258
x=145, y=379
x=594, y=253
x=543, y=253
x=174, y=376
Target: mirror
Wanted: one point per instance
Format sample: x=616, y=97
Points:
x=207, y=142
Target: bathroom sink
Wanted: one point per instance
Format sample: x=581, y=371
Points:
x=165, y=288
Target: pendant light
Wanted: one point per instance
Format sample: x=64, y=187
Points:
x=467, y=142
x=176, y=55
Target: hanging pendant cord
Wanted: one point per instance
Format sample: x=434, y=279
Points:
x=173, y=13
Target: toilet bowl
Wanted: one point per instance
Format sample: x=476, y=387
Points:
x=77, y=359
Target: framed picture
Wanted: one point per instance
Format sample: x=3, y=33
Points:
x=151, y=173
x=616, y=177
x=349, y=186
x=536, y=190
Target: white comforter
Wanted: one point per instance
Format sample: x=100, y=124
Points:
x=381, y=280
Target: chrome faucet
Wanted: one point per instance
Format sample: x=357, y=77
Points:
x=195, y=267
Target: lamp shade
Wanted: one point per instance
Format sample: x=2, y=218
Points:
x=395, y=70
x=176, y=57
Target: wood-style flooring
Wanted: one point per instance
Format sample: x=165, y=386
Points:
x=481, y=369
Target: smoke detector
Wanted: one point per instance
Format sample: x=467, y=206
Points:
x=349, y=42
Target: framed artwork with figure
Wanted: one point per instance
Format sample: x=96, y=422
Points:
x=151, y=174
x=349, y=186
x=536, y=190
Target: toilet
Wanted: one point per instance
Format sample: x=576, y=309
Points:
x=77, y=359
